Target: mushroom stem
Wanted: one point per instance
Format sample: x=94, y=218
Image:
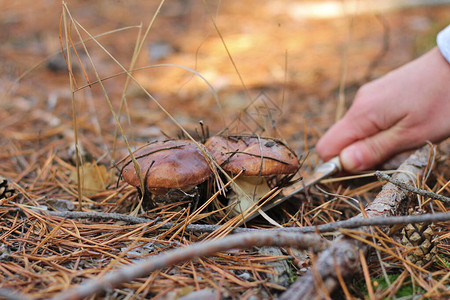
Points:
x=250, y=189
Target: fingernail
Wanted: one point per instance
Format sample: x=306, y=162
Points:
x=351, y=158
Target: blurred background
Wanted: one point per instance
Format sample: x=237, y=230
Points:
x=278, y=67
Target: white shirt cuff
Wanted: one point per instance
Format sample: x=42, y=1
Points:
x=443, y=42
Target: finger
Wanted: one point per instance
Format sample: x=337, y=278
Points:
x=368, y=153
x=351, y=128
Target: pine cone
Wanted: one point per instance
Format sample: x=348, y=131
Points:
x=420, y=237
x=5, y=191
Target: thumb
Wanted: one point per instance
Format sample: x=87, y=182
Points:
x=369, y=152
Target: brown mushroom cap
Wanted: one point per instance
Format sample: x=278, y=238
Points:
x=236, y=153
x=167, y=165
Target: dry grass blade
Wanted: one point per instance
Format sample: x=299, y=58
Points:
x=342, y=281
x=137, y=51
x=69, y=43
x=366, y=274
x=227, y=50
x=135, y=163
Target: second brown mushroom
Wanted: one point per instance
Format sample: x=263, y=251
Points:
x=257, y=158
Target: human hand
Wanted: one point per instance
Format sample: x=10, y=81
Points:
x=397, y=112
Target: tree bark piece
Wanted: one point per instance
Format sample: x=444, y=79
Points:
x=281, y=266
x=321, y=280
x=412, y=189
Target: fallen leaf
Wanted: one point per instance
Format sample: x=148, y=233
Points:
x=94, y=178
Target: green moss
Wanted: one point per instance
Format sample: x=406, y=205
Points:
x=407, y=288
x=443, y=261
x=292, y=275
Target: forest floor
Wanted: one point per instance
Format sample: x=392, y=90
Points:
x=239, y=67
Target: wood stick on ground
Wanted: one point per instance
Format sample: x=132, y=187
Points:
x=328, y=227
x=344, y=251
x=173, y=257
x=383, y=176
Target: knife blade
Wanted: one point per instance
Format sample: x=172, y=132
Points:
x=329, y=168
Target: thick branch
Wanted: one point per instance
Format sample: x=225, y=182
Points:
x=344, y=252
x=8, y=294
x=176, y=256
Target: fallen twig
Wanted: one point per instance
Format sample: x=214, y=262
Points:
x=383, y=176
x=97, y=215
x=173, y=257
x=329, y=227
x=375, y=221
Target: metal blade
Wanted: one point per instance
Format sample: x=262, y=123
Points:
x=331, y=167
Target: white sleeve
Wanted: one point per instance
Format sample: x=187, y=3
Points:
x=443, y=42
